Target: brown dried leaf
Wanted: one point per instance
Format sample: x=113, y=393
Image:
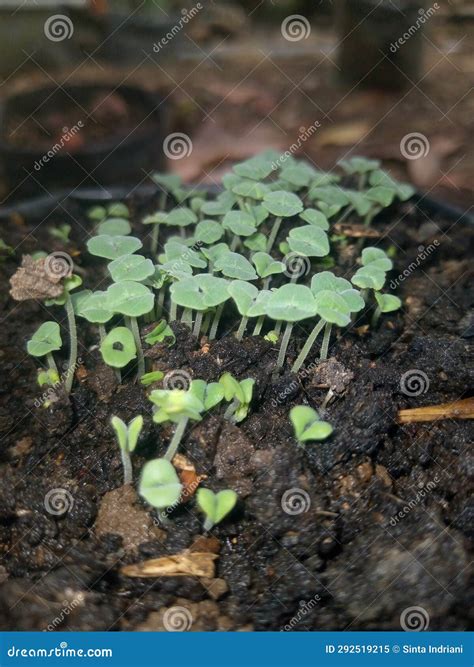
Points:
x=356, y=231
x=458, y=410
x=184, y=564
x=36, y=279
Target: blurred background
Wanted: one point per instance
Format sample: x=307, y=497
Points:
x=98, y=93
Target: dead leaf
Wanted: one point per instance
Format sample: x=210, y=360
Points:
x=356, y=231
x=188, y=476
x=184, y=564
x=458, y=410
x=343, y=135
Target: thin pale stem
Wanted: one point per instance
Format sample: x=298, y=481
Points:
x=266, y=282
x=138, y=344
x=176, y=439
x=102, y=333
x=187, y=317
x=234, y=243
x=242, y=327
x=376, y=316
x=173, y=311
x=258, y=325
x=278, y=327
x=127, y=466
x=231, y=408
x=208, y=524
x=325, y=343
x=71, y=319
x=301, y=358
x=273, y=234
x=198, y=323
x=154, y=239
x=215, y=322
x=52, y=363
x=284, y=344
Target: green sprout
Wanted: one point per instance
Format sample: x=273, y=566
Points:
x=250, y=302
x=210, y=394
x=199, y=293
x=131, y=267
x=114, y=227
x=118, y=347
x=280, y=204
x=290, y=303
x=160, y=334
x=307, y=425
x=372, y=274
x=118, y=210
x=239, y=394
x=159, y=484
x=151, y=377
x=61, y=232
x=97, y=213
x=386, y=303
x=127, y=438
x=215, y=506
x=45, y=341
x=177, y=406
x=113, y=247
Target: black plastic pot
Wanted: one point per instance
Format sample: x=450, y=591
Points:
x=122, y=157
x=380, y=42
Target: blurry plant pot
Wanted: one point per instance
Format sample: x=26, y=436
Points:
x=80, y=152
x=368, y=30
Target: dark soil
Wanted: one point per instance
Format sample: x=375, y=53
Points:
x=347, y=561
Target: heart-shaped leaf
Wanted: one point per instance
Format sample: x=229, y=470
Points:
x=46, y=339
x=308, y=425
x=159, y=484
x=130, y=298
x=309, y=240
x=282, y=204
x=131, y=267
x=112, y=247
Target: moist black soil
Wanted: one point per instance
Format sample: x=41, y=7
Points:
x=387, y=516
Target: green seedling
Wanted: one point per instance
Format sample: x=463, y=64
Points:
x=127, y=438
x=249, y=301
x=360, y=167
x=159, y=484
x=240, y=223
x=199, y=293
x=223, y=203
x=97, y=213
x=249, y=189
x=131, y=267
x=403, y=191
x=256, y=168
x=267, y=266
x=298, y=174
x=309, y=241
x=239, y=394
x=61, y=232
x=290, y=304
x=215, y=506
x=208, y=232
x=372, y=274
x=45, y=341
x=177, y=406
x=256, y=243
x=118, y=210
x=118, y=347
x=133, y=300
x=386, y=303
x=210, y=394
x=160, y=334
x=114, y=227
x=113, y=247
x=307, y=425
x=181, y=217
x=151, y=377
x=280, y=204
x=335, y=300
x=233, y=265
x=94, y=308
x=315, y=218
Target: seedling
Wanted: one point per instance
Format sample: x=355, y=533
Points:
x=159, y=484
x=131, y=267
x=210, y=394
x=386, y=303
x=161, y=333
x=372, y=274
x=239, y=394
x=307, y=425
x=177, y=406
x=113, y=247
x=215, y=506
x=290, y=304
x=114, y=227
x=61, y=232
x=267, y=266
x=45, y=341
x=199, y=293
x=208, y=231
x=281, y=204
x=249, y=301
x=233, y=265
x=127, y=438
x=97, y=213
x=118, y=347
x=152, y=377
x=118, y=210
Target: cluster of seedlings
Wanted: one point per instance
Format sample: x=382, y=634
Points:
x=258, y=253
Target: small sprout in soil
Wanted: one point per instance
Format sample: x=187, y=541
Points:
x=239, y=394
x=45, y=341
x=177, y=406
x=309, y=241
x=97, y=213
x=280, y=204
x=159, y=484
x=307, y=424
x=233, y=265
x=114, y=227
x=117, y=210
x=215, y=506
x=118, y=347
x=386, y=303
x=250, y=303
x=127, y=438
x=113, y=247
x=131, y=267
x=61, y=233
x=372, y=274
x=151, y=377
x=210, y=394
x=161, y=333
